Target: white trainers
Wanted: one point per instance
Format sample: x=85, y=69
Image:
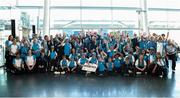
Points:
x=63, y=72
x=56, y=73
x=138, y=73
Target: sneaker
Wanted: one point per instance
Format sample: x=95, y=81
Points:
x=56, y=73
x=63, y=73
x=100, y=74
x=129, y=71
x=161, y=76
x=138, y=73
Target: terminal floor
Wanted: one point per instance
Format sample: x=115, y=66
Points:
x=49, y=85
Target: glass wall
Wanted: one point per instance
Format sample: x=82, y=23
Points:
x=89, y=15
x=96, y=14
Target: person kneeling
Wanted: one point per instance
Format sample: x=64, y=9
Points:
x=64, y=65
x=72, y=65
x=141, y=64
x=128, y=67
x=30, y=62
x=18, y=64
x=81, y=62
x=110, y=66
x=101, y=66
x=160, y=68
x=42, y=62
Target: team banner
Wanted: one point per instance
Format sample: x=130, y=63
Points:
x=89, y=67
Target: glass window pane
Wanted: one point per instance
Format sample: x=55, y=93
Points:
x=65, y=14
x=96, y=14
x=65, y=2
x=106, y=3
x=163, y=3
x=30, y=2
x=126, y=3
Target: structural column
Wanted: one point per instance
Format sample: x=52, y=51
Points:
x=144, y=14
x=46, y=18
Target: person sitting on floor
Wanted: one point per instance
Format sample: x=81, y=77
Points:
x=30, y=61
x=92, y=60
x=72, y=65
x=101, y=66
x=64, y=65
x=42, y=62
x=118, y=63
x=110, y=66
x=82, y=60
x=151, y=60
x=160, y=67
x=53, y=60
x=140, y=64
x=18, y=64
x=128, y=67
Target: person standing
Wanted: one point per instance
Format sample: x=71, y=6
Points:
x=171, y=52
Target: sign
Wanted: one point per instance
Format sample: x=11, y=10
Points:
x=89, y=67
x=25, y=32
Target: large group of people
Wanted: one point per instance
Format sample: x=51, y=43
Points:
x=113, y=54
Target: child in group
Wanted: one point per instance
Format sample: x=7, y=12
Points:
x=160, y=67
x=72, y=65
x=131, y=57
x=101, y=66
x=53, y=61
x=118, y=63
x=82, y=60
x=110, y=66
x=145, y=55
x=30, y=62
x=92, y=60
x=67, y=48
x=140, y=64
x=128, y=67
x=18, y=64
x=42, y=62
x=151, y=61
x=36, y=48
x=13, y=50
x=24, y=50
x=64, y=65
x=136, y=53
x=73, y=55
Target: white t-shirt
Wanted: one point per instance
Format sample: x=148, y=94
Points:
x=160, y=47
x=160, y=62
x=14, y=48
x=18, y=62
x=151, y=58
x=30, y=60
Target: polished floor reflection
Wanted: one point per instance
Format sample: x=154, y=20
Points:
x=48, y=85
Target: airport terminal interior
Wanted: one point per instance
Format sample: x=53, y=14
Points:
x=144, y=33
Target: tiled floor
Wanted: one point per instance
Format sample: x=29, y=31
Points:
x=48, y=85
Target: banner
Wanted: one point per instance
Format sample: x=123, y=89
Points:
x=89, y=67
x=25, y=32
